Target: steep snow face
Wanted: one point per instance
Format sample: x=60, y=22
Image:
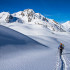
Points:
x=7, y=17
x=26, y=15
x=29, y=15
x=67, y=25
x=3, y=16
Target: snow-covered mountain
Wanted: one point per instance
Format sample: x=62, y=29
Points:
x=30, y=17
x=29, y=42
x=6, y=17
x=67, y=25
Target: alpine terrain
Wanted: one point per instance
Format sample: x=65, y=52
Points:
x=29, y=41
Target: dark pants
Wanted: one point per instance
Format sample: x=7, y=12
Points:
x=61, y=51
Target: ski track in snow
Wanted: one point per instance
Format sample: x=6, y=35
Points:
x=57, y=62
x=61, y=63
x=64, y=63
x=37, y=60
x=67, y=61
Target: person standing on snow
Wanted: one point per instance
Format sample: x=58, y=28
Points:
x=61, y=47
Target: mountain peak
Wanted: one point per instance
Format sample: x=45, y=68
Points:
x=29, y=10
x=68, y=22
x=4, y=14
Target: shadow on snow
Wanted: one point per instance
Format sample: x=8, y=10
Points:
x=62, y=63
x=12, y=37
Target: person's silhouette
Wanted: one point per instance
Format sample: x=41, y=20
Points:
x=61, y=47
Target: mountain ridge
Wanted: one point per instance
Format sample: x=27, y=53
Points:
x=30, y=17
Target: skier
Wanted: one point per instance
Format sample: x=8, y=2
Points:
x=61, y=47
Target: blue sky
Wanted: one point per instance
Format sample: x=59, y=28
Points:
x=59, y=10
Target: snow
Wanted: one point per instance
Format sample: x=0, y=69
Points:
x=33, y=45
x=3, y=16
x=20, y=51
x=30, y=17
x=67, y=25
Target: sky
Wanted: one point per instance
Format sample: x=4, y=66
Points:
x=59, y=10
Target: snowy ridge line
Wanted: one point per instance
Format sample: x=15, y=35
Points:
x=31, y=17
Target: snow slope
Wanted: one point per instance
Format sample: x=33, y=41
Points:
x=20, y=52
x=30, y=47
x=30, y=42
x=67, y=25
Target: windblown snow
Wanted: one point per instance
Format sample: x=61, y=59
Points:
x=29, y=41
